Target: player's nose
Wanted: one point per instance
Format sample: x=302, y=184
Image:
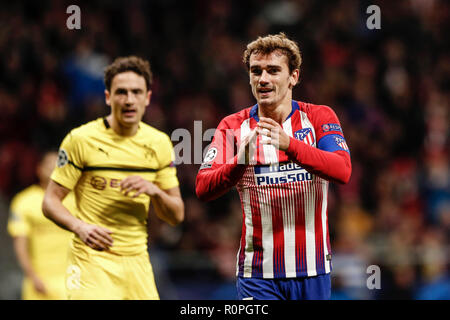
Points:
x=130, y=98
x=264, y=78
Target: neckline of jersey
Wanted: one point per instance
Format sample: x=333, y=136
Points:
x=254, y=111
x=108, y=126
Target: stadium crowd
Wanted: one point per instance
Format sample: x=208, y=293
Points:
x=390, y=88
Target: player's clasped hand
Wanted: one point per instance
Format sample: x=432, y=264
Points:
x=96, y=237
x=139, y=185
x=273, y=133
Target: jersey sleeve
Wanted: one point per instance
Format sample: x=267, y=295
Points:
x=166, y=176
x=18, y=222
x=219, y=171
x=69, y=166
x=329, y=134
x=331, y=159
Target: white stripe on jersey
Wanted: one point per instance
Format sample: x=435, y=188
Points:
x=245, y=130
x=289, y=220
x=324, y=225
x=287, y=127
x=289, y=233
x=270, y=154
x=248, y=250
x=310, y=236
x=307, y=124
x=267, y=233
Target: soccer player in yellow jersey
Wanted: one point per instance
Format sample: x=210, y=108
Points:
x=41, y=247
x=116, y=165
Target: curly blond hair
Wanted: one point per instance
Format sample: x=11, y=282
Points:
x=272, y=42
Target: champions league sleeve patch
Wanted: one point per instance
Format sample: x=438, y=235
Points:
x=333, y=142
x=63, y=159
x=209, y=158
x=15, y=217
x=331, y=127
x=210, y=155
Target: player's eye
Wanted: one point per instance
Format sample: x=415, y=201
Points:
x=273, y=70
x=121, y=91
x=256, y=71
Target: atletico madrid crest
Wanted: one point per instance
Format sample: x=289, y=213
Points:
x=306, y=135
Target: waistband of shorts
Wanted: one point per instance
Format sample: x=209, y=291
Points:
x=78, y=246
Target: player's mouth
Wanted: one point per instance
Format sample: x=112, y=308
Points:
x=264, y=92
x=129, y=112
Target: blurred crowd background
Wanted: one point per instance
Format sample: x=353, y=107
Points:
x=389, y=87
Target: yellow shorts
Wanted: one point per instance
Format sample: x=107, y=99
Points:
x=97, y=275
x=54, y=286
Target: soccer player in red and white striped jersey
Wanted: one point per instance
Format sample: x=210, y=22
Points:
x=287, y=152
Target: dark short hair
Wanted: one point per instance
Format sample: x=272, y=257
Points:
x=130, y=63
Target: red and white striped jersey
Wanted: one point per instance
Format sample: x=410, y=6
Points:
x=283, y=194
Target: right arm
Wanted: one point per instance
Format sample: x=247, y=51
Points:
x=211, y=184
x=96, y=237
x=221, y=170
x=23, y=257
x=19, y=227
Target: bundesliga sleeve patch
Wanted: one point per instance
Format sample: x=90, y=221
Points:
x=333, y=142
x=63, y=159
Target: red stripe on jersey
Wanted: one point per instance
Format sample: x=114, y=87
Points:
x=278, y=231
x=243, y=242
x=317, y=187
x=328, y=235
x=300, y=237
x=257, y=234
x=259, y=150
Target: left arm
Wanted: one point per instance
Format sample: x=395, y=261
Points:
x=333, y=166
x=168, y=204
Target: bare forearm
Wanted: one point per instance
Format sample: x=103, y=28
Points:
x=168, y=208
x=54, y=210
x=96, y=237
x=168, y=203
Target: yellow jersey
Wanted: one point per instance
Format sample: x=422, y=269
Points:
x=48, y=244
x=92, y=161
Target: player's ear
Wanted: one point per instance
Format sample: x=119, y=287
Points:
x=107, y=98
x=149, y=96
x=294, y=77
